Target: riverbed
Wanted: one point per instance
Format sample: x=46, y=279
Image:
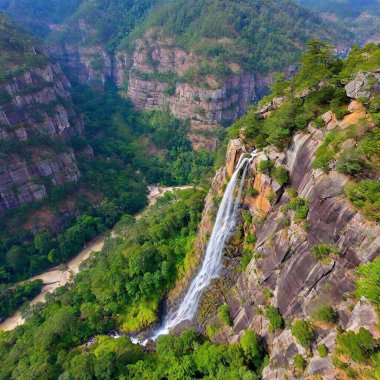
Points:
x=61, y=275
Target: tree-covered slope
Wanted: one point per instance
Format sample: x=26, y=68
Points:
x=260, y=35
x=362, y=17
x=39, y=15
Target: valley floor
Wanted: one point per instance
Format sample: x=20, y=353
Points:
x=61, y=275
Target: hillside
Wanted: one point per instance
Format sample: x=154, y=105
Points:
x=169, y=55
x=362, y=17
x=73, y=161
x=35, y=111
x=297, y=294
x=42, y=17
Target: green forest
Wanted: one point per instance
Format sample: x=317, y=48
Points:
x=253, y=33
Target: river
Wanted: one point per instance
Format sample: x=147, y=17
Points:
x=61, y=275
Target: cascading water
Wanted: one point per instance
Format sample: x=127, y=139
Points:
x=212, y=264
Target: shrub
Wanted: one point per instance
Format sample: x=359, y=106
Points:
x=357, y=346
x=271, y=197
x=251, y=347
x=246, y=259
x=247, y=217
x=274, y=317
x=281, y=175
x=322, y=350
x=303, y=332
x=366, y=196
x=265, y=166
x=325, y=313
x=300, y=207
x=323, y=251
x=224, y=314
x=368, y=281
x=252, y=192
x=299, y=362
x=350, y=162
x=326, y=152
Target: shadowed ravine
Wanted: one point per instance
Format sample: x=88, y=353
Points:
x=212, y=264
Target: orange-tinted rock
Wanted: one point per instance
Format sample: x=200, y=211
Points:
x=262, y=185
x=234, y=151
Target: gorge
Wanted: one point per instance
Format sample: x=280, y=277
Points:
x=263, y=265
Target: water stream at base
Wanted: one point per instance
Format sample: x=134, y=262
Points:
x=212, y=264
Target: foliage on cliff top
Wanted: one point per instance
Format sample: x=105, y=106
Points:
x=317, y=88
x=19, y=52
x=38, y=15
x=256, y=34
x=362, y=17
x=102, y=22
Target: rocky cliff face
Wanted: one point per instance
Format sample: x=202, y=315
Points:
x=283, y=271
x=36, y=117
x=85, y=65
x=161, y=75
x=158, y=77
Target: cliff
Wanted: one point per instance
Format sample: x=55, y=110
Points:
x=36, y=118
x=284, y=271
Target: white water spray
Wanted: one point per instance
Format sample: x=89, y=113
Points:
x=212, y=264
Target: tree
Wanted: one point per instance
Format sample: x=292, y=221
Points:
x=316, y=63
x=274, y=317
x=43, y=242
x=16, y=258
x=251, y=347
x=224, y=314
x=368, y=281
x=303, y=332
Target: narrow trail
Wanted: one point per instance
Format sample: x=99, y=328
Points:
x=61, y=275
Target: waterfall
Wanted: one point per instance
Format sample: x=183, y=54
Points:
x=212, y=264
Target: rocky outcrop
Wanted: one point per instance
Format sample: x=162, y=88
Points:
x=364, y=85
x=284, y=273
x=84, y=64
x=20, y=181
x=38, y=100
x=158, y=78
x=36, y=118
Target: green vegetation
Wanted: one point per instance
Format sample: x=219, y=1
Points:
x=265, y=166
x=358, y=346
x=274, y=317
x=320, y=80
x=117, y=174
x=37, y=14
x=281, y=175
x=246, y=259
x=122, y=287
x=303, y=332
x=322, y=350
x=323, y=252
x=224, y=314
x=19, y=52
x=299, y=362
x=368, y=281
x=12, y=298
x=259, y=35
x=350, y=14
x=300, y=207
x=365, y=195
x=325, y=313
